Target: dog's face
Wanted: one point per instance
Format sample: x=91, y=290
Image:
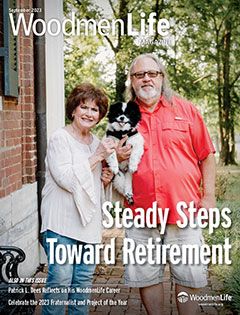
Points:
x=124, y=116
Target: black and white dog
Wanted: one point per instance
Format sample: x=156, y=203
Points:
x=122, y=120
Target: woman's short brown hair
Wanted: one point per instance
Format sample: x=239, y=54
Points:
x=83, y=92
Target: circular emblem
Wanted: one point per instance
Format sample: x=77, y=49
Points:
x=182, y=297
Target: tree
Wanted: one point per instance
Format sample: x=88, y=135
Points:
x=220, y=22
x=203, y=62
x=123, y=46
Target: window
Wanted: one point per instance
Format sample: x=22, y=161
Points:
x=8, y=52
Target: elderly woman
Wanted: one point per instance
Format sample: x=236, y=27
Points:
x=71, y=204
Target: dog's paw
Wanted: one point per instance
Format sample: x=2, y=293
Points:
x=129, y=198
x=132, y=168
x=114, y=169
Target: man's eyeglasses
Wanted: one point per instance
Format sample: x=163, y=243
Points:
x=150, y=73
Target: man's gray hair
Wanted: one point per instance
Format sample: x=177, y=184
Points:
x=167, y=92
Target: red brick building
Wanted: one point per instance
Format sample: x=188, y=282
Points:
x=27, y=65
x=18, y=132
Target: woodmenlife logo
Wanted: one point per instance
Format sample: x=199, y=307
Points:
x=204, y=299
x=148, y=26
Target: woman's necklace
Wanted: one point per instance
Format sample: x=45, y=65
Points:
x=87, y=140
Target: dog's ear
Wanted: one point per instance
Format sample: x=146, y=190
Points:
x=135, y=110
x=134, y=106
x=113, y=108
x=114, y=105
x=132, y=103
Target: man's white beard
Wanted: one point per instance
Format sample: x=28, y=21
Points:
x=148, y=95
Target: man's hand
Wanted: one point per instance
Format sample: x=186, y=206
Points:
x=208, y=201
x=123, y=151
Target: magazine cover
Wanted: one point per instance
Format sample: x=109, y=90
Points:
x=120, y=149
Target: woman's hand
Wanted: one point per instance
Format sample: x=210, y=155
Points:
x=107, y=176
x=123, y=151
x=104, y=149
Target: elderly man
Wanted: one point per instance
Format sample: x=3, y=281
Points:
x=178, y=158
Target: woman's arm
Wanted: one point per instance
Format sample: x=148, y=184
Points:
x=75, y=177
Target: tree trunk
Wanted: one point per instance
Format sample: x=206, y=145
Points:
x=120, y=72
x=219, y=93
x=232, y=152
x=227, y=119
x=120, y=81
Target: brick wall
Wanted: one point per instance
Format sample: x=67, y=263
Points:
x=19, y=224
x=18, y=134
x=1, y=58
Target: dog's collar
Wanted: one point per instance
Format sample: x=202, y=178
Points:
x=120, y=134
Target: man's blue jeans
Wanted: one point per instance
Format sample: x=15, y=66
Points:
x=63, y=278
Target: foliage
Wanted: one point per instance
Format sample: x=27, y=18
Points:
x=223, y=181
x=221, y=26
x=228, y=197
x=100, y=129
x=201, y=56
x=233, y=284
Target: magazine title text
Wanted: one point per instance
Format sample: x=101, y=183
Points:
x=148, y=25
